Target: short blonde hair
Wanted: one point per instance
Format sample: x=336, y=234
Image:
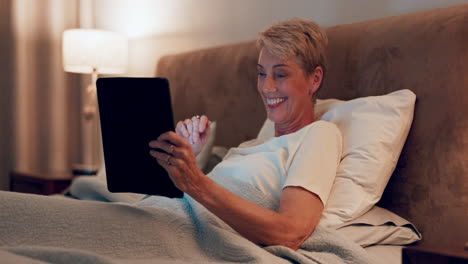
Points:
x=297, y=37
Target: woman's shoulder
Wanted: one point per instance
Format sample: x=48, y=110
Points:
x=323, y=125
x=320, y=127
x=321, y=130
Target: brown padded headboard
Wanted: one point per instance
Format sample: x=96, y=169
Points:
x=220, y=83
x=425, y=52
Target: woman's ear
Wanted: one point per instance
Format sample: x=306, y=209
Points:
x=315, y=79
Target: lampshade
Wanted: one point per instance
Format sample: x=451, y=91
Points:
x=85, y=49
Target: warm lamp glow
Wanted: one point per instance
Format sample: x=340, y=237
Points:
x=87, y=49
x=94, y=52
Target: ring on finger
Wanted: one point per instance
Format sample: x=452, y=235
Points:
x=196, y=117
x=171, y=149
x=168, y=160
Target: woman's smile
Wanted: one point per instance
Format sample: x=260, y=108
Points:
x=274, y=102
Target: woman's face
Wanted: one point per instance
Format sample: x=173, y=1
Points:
x=285, y=89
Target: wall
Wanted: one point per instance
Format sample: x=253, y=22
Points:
x=158, y=27
x=6, y=93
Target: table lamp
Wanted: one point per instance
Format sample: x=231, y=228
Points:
x=94, y=52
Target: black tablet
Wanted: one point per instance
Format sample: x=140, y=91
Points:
x=134, y=111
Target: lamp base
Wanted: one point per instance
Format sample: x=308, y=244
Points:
x=84, y=170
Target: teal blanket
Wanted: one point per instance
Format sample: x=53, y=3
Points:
x=40, y=229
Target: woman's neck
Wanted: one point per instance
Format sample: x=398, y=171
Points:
x=294, y=125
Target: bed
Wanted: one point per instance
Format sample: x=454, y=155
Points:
x=425, y=53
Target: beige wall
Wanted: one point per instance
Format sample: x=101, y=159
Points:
x=158, y=27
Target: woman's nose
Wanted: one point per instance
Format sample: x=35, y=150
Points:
x=269, y=85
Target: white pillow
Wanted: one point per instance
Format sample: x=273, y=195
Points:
x=268, y=129
x=374, y=131
x=379, y=227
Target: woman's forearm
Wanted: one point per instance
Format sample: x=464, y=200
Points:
x=295, y=220
x=258, y=224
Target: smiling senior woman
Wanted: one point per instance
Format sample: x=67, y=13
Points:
x=297, y=166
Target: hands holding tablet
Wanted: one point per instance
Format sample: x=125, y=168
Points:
x=180, y=150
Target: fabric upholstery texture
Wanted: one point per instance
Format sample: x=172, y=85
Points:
x=425, y=52
x=221, y=83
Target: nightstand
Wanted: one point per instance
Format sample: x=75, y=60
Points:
x=431, y=254
x=39, y=182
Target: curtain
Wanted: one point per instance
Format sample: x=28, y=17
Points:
x=6, y=91
x=39, y=103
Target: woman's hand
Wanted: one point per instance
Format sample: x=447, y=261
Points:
x=196, y=131
x=179, y=160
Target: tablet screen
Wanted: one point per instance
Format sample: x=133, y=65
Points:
x=134, y=111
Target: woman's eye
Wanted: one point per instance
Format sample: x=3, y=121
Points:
x=261, y=74
x=280, y=75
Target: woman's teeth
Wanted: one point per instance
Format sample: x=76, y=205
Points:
x=274, y=101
